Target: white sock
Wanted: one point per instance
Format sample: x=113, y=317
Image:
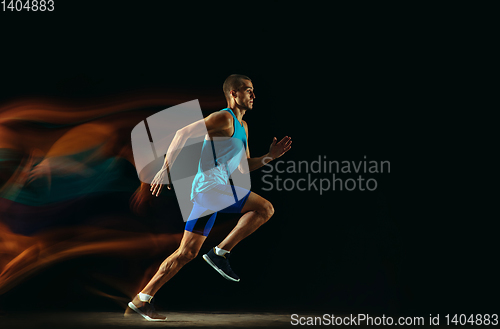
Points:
x=144, y=297
x=220, y=252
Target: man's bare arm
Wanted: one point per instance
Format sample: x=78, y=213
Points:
x=256, y=163
x=276, y=150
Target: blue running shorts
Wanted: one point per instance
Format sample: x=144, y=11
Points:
x=202, y=217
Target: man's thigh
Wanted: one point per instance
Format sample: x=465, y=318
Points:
x=254, y=202
x=192, y=241
x=225, y=198
x=200, y=220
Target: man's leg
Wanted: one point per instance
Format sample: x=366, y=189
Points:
x=257, y=211
x=187, y=251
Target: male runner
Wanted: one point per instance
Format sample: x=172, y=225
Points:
x=211, y=188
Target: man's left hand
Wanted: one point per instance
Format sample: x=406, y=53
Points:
x=277, y=149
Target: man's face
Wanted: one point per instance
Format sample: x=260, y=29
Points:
x=245, y=95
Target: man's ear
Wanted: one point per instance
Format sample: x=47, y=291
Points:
x=233, y=93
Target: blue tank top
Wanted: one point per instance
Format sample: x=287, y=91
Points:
x=220, y=156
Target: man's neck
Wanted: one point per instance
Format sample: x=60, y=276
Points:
x=238, y=112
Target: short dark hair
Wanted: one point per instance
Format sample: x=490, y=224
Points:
x=233, y=82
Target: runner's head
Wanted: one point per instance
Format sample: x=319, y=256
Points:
x=238, y=90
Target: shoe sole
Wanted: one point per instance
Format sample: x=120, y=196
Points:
x=132, y=306
x=224, y=275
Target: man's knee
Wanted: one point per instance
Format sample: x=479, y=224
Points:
x=186, y=255
x=266, y=210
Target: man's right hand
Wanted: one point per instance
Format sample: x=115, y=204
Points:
x=158, y=182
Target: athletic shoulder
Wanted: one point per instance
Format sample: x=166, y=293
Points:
x=219, y=120
x=245, y=125
x=224, y=117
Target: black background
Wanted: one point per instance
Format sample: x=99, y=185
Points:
x=385, y=83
